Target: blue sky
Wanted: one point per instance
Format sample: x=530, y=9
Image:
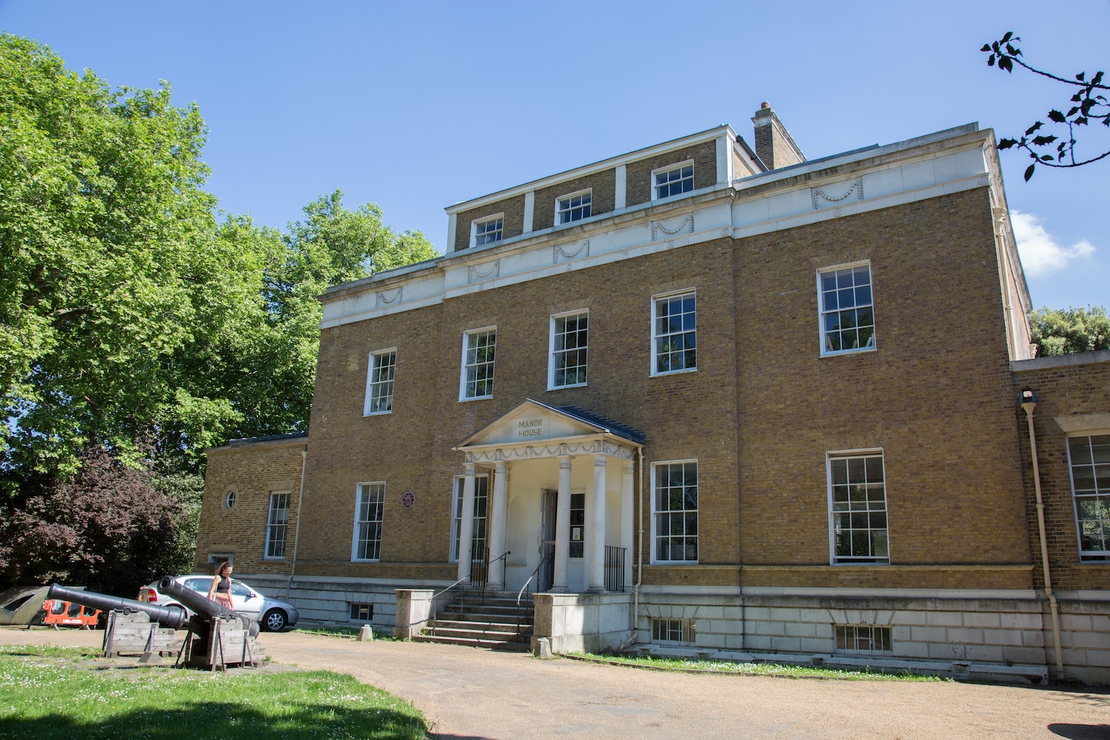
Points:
x=415, y=105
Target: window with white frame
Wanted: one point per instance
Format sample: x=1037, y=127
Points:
x=847, y=313
x=481, y=499
x=276, y=524
x=569, y=348
x=672, y=180
x=1089, y=460
x=674, y=329
x=478, y=355
x=368, y=521
x=574, y=207
x=675, y=511
x=379, y=383
x=488, y=230
x=857, y=507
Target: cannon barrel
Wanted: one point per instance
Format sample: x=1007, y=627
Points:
x=165, y=616
x=201, y=604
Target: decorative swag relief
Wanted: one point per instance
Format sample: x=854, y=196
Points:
x=822, y=199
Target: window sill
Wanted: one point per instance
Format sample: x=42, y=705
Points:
x=674, y=372
x=359, y=560
x=476, y=398
x=843, y=352
x=377, y=413
x=670, y=563
x=564, y=387
x=865, y=563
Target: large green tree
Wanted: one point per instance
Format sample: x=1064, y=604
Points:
x=135, y=329
x=108, y=261
x=1070, y=330
x=127, y=313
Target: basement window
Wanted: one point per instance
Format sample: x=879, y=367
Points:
x=675, y=631
x=854, y=639
x=362, y=612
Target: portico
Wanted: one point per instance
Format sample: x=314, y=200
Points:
x=560, y=499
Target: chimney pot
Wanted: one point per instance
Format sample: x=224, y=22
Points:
x=764, y=105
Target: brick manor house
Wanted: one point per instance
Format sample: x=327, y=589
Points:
x=704, y=398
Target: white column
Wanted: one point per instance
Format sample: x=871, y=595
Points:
x=628, y=521
x=497, y=530
x=597, y=527
x=466, y=525
x=562, y=526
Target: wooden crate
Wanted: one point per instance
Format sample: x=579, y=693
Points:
x=132, y=633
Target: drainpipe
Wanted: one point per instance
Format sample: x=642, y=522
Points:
x=297, y=532
x=1029, y=402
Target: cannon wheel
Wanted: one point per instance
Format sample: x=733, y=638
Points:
x=274, y=620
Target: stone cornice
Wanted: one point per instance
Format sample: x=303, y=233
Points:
x=853, y=183
x=508, y=453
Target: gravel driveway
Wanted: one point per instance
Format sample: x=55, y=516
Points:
x=469, y=693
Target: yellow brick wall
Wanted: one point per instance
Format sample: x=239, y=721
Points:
x=1061, y=392
x=638, y=174
x=411, y=448
x=604, y=187
x=252, y=471
x=935, y=396
x=513, y=225
x=759, y=414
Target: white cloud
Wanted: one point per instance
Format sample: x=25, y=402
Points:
x=1040, y=254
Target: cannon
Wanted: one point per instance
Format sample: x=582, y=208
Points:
x=202, y=605
x=165, y=616
x=218, y=637
x=133, y=626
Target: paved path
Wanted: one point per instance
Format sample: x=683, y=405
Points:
x=469, y=693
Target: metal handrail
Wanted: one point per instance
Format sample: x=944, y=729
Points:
x=435, y=596
x=520, y=594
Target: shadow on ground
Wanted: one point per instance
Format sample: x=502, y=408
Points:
x=224, y=721
x=1080, y=732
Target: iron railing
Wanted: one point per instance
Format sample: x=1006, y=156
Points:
x=479, y=569
x=532, y=578
x=614, y=568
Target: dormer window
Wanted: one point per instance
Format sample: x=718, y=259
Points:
x=488, y=230
x=672, y=180
x=573, y=207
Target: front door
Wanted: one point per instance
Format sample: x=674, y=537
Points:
x=548, y=503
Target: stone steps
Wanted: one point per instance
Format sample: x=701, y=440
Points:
x=494, y=622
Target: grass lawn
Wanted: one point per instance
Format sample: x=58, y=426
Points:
x=51, y=692
x=753, y=669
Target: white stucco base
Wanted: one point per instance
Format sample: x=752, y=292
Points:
x=583, y=623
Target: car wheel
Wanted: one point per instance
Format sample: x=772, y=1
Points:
x=274, y=620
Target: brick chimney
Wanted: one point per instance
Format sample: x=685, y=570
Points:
x=773, y=143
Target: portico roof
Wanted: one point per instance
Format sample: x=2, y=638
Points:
x=531, y=421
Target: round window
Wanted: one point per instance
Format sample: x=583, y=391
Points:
x=230, y=500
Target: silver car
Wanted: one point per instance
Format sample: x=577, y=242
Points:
x=272, y=615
